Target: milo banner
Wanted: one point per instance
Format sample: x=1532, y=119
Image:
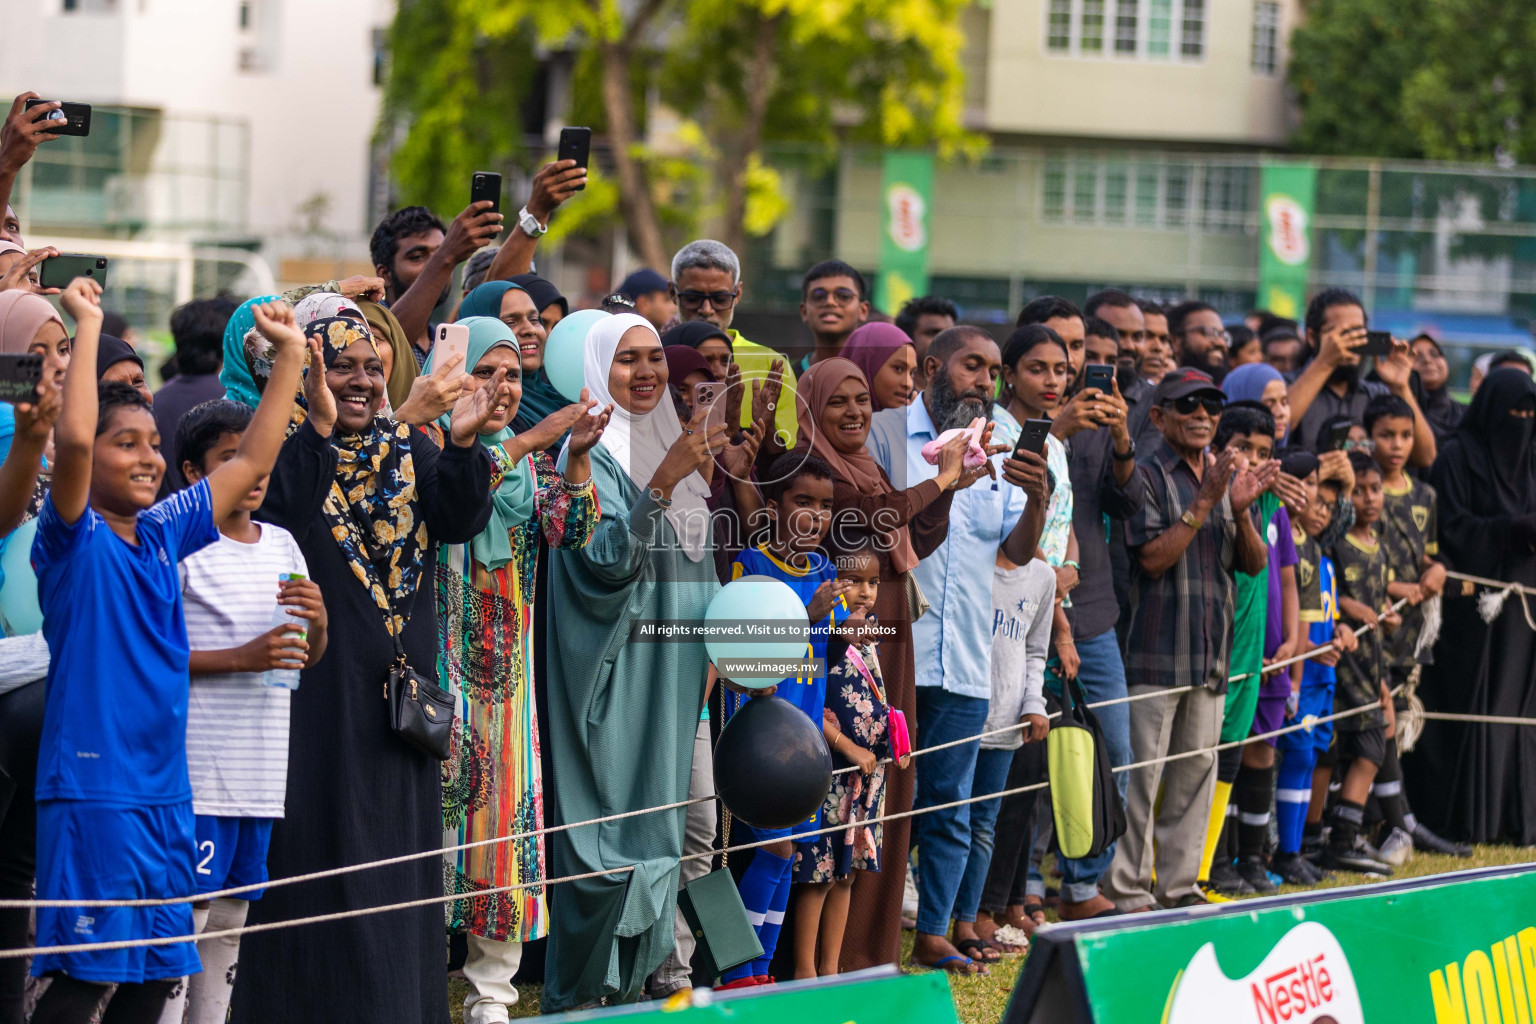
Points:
x=1452, y=949
x=1286, y=193
x=905, y=190
x=875, y=996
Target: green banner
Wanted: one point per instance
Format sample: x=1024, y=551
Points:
x=1452, y=949
x=1285, y=255
x=906, y=191
x=876, y=996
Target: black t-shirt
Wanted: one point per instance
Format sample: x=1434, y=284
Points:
x=1361, y=574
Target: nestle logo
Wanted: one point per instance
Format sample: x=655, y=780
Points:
x=1295, y=991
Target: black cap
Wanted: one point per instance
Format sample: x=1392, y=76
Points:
x=1185, y=381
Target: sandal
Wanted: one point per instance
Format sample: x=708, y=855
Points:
x=960, y=965
x=977, y=950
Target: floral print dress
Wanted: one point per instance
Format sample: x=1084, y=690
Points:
x=855, y=696
x=491, y=781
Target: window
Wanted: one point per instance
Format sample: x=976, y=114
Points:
x=1150, y=29
x=1146, y=193
x=1092, y=38
x=1266, y=37
x=1227, y=198
x=1115, y=186
x=1193, y=29
x=1085, y=192
x=1059, y=29
x=1053, y=190
x=245, y=15
x=1125, y=27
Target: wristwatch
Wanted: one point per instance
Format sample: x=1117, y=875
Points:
x=1130, y=453
x=1189, y=520
x=530, y=224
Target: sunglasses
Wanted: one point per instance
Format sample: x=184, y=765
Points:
x=693, y=301
x=821, y=296
x=1187, y=405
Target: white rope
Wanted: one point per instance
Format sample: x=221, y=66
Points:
x=1448, y=716
x=431, y=900
x=1504, y=588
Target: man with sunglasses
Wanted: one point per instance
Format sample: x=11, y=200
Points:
x=1191, y=534
x=832, y=306
x=706, y=285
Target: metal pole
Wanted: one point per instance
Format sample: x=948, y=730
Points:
x=1372, y=218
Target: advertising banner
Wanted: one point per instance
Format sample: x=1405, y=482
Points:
x=1450, y=949
x=906, y=190
x=876, y=996
x=1287, y=192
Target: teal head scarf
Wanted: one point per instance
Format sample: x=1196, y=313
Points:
x=239, y=384
x=540, y=397
x=512, y=499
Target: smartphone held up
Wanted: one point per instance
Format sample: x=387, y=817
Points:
x=575, y=144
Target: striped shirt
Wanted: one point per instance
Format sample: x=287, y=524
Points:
x=237, y=726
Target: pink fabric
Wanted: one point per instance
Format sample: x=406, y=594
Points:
x=22, y=314
x=975, y=454
x=870, y=347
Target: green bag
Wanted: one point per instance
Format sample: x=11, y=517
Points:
x=1085, y=802
x=718, y=919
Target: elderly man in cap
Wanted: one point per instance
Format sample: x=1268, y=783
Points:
x=1192, y=533
x=648, y=291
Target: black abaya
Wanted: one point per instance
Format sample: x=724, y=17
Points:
x=1473, y=781
x=356, y=792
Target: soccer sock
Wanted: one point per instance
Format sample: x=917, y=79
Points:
x=176, y=1003
x=1348, y=817
x=1293, y=795
x=1255, y=795
x=1214, y=826
x=773, y=923
x=1388, y=790
x=759, y=885
x=140, y=1003
x=208, y=992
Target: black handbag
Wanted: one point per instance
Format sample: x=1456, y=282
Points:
x=420, y=711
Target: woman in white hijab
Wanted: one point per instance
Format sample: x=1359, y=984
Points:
x=622, y=714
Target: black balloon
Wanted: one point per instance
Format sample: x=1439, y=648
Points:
x=772, y=766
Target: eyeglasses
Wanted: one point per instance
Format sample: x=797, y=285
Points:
x=1187, y=405
x=693, y=301
x=1363, y=445
x=841, y=296
x=1210, y=333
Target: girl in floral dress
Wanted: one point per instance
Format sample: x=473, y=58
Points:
x=856, y=724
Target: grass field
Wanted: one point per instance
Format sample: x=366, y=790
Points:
x=981, y=1000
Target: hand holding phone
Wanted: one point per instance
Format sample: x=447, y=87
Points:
x=1100, y=376
x=58, y=271
x=575, y=144
x=486, y=186
x=19, y=377
x=452, y=340
x=65, y=119
x=1032, y=436
x=1377, y=343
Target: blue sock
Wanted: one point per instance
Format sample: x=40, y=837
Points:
x=773, y=922
x=1293, y=792
x=759, y=888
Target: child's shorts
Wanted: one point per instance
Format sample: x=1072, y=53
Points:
x=92, y=850
x=1314, y=702
x=1363, y=745
x=232, y=852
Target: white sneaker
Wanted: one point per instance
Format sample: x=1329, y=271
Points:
x=909, y=894
x=1397, y=848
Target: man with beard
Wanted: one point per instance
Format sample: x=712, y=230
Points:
x=1283, y=350
x=952, y=644
x=1200, y=339
x=1156, y=351
x=1191, y=535
x=416, y=257
x=1332, y=385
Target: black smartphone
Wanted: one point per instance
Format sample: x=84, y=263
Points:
x=1101, y=376
x=19, y=377
x=486, y=185
x=1032, y=437
x=66, y=266
x=575, y=144
x=1377, y=343
x=1338, y=436
x=72, y=118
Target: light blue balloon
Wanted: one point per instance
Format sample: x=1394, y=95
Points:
x=20, y=613
x=757, y=600
x=565, y=350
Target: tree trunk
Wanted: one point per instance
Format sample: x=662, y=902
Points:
x=635, y=202
x=759, y=90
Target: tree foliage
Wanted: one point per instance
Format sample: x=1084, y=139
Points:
x=735, y=75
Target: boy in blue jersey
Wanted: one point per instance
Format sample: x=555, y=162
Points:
x=1301, y=775
x=114, y=803
x=799, y=507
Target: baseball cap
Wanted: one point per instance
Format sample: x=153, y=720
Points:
x=643, y=282
x=1184, y=381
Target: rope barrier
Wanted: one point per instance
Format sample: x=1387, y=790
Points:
x=1448, y=716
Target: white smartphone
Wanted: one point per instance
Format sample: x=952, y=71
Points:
x=452, y=340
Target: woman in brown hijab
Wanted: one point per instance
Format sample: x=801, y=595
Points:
x=834, y=426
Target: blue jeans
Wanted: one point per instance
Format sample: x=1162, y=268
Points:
x=991, y=777
x=944, y=837
x=1102, y=675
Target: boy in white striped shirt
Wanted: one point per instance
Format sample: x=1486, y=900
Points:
x=237, y=726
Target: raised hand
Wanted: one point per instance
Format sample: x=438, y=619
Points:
x=552, y=428
x=22, y=275
x=1394, y=369
x=434, y=393
x=588, y=428
x=361, y=286
x=275, y=322
x=24, y=130
x=738, y=458
x=1291, y=491
x=693, y=448
x=1214, y=481
x=554, y=183
x=734, y=393
x=477, y=225
x=321, y=403
x=473, y=410
x=82, y=300
x=35, y=420
x=766, y=393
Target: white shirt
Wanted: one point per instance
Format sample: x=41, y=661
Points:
x=237, y=726
x=1022, y=602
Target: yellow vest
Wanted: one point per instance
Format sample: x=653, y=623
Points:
x=755, y=361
